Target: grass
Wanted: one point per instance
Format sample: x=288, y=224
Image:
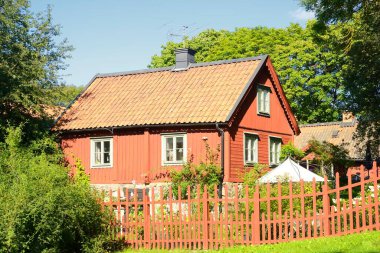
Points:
x=367, y=242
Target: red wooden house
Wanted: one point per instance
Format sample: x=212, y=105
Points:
x=127, y=127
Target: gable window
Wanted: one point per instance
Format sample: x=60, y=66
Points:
x=274, y=150
x=263, y=100
x=174, y=148
x=250, y=148
x=101, y=152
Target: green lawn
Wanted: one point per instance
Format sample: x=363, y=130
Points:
x=368, y=242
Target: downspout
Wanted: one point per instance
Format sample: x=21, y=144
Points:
x=220, y=186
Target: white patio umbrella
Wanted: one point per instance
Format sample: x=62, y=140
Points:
x=291, y=170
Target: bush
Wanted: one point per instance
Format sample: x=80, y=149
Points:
x=207, y=173
x=43, y=209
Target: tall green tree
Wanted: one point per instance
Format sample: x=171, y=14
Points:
x=30, y=60
x=310, y=72
x=64, y=94
x=359, y=39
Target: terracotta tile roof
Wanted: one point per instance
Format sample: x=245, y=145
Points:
x=204, y=93
x=334, y=132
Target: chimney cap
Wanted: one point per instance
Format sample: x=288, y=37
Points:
x=185, y=50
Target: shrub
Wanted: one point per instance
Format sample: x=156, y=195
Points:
x=207, y=173
x=42, y=209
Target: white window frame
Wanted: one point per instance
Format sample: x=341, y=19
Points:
x=163, y=148
x=263, y=91
x=256, y=147
x=278, y=140
x=92, y=150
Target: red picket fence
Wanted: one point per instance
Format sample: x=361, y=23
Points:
x=266, y=214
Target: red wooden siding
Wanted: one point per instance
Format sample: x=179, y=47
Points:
x=136, y=154
x=237, y=156
x=248, y=120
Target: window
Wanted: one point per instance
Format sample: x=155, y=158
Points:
x=263, y=97
x=174, y=148
x=101, y=152
x=250, y=148
x=274, y=150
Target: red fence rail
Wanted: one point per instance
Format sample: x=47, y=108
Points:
x=156, y=218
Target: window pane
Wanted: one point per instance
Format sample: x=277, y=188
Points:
x=179, y=148
x=169, y=149
x=275, y=151
x=179, y=142
x=271, y=151
x=278, y=151
x=266, y=101
x=250, y=148
x=107, y=158
x=98, y=158
x=98, y=147
x=169, y=155
x=179, y=153
x=169, y=143
x=106, y=146
x=98, y=154
x=246, y=141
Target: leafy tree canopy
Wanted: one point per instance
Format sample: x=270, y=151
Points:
x=289, y=150
x=63, y=95
x=311, y=73
x=30, y=60
x=327, y=154
x=360, y=41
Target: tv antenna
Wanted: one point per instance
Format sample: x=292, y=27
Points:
x=183, y=33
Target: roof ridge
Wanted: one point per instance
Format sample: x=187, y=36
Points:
x=340, y=123
x=192, y=65
x=321, y=124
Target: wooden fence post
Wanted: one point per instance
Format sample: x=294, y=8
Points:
x=256, y=216
x=326, y=208
x=205, y=218
x=146, y=219
x=376, y=201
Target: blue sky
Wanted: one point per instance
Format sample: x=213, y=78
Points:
x=116, y=35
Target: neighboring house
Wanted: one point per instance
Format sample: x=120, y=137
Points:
x=340, y=133
x=128, y=127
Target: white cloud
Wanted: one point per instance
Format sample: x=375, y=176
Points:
x=302, y=14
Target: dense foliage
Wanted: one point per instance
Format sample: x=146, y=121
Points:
x=63, y=95
x=42, y=209
x=326, y=155
x=289, y=150
x=207, y=173
x=310, y=72
x=359, y=40
x=30, y=60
